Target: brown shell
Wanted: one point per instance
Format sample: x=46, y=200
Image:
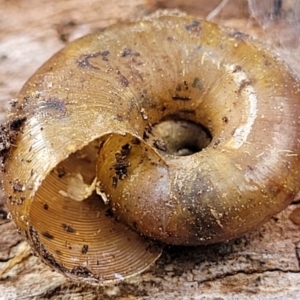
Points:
x=189, y=133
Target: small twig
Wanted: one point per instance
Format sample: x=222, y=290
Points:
x=24, y=252
x=217, y=10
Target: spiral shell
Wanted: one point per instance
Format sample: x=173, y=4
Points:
x=174, y=129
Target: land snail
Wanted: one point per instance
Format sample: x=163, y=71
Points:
x=173, y=130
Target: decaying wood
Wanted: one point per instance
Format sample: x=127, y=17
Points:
x=264, y=264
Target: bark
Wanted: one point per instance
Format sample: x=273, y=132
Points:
x=263, y=264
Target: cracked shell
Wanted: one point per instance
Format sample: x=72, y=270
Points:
x=174, y=130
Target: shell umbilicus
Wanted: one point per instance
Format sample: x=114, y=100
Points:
x=174, y=130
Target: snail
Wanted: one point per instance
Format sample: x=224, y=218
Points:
x=165, y=131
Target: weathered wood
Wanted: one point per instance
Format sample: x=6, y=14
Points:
x=261, y=265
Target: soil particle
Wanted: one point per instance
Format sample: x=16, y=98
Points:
x=8, y=135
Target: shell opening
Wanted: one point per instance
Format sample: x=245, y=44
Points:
x=74, y=231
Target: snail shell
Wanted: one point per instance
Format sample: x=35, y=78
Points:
x=185, y=132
